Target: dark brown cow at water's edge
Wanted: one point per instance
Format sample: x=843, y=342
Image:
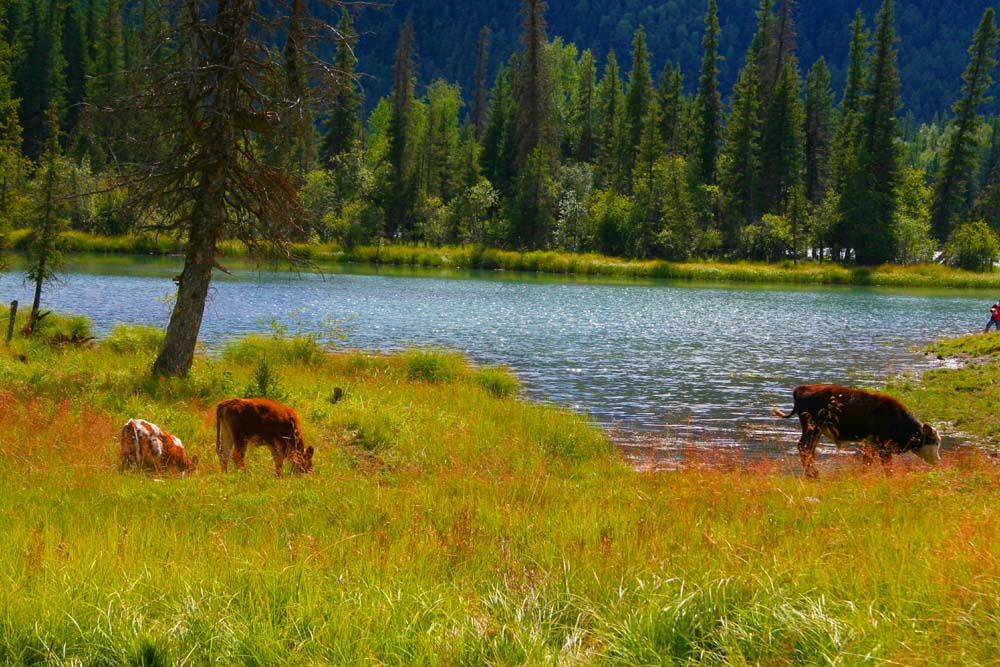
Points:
x=878, y=422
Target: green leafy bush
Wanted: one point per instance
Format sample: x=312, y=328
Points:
x=973, y=246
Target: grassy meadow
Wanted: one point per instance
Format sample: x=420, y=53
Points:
x=449, y=523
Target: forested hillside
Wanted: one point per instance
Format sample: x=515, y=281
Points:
x=933, y=35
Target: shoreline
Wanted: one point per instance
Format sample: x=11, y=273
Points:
x=805, y=272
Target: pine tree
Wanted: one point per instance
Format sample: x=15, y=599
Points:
x=672, y=106
x=637, y=100
x=12, y=165
x=295, y=146
x=534, y=118
x=610, y=110
x=708, y=103
x=106, y=86
x=762, y=47
x=870, y=196
x=584, y=108
x=400, y=190
x=648, y=209
x=442, y=158
x=342, y=125
x=783, y=42
x=44, y=257
x=819, y=126
x=39, y=79
x=479, y=93
x=650, y=147
x=782, y=143
x=846, y=149
x=498, y=139
x=74, y=51
x=856, y=68
x=959, y=160
x=741, y=151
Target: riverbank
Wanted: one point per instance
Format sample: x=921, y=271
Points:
x=558, y=263
x=447, y=522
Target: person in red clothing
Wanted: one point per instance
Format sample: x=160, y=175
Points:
x=994, y=317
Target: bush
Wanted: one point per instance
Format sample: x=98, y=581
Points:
x=52, y=328
x=498, y=382
x=265, y=383
x=130, y=338
x=973, y=246
x=254, y=347
x=432, y=365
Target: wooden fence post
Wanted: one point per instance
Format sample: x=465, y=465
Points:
x=13, y=314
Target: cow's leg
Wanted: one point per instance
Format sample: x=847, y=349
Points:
x=867, y=452
x=239, y=453
x=807, y=452
x=885, y=456
x=278, y=453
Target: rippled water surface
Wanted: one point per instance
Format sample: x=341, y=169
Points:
x=678, y=362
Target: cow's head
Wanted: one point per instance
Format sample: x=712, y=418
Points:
x=930, y=445
x=302, y=461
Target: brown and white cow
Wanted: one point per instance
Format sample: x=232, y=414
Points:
x=241, y=420
x=146, y=445
x=878, y=422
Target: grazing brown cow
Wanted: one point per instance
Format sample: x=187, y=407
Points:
x=240, y=420
x=144, y=444
x=880, y=423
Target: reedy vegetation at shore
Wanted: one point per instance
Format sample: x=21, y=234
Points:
x=446, y=525
x=551, y=262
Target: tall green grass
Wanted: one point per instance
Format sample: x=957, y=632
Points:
x=445, y=524
x=550, y=262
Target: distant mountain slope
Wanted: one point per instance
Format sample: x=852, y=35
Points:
x=934, y=36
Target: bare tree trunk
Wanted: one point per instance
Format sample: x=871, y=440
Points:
x=177, y=352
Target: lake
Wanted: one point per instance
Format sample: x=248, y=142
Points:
x=657, y=362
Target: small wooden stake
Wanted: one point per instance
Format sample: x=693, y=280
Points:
x=13, y=314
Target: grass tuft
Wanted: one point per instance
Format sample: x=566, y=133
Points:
x=498, y=382
x=133, y=338
x=434, y=366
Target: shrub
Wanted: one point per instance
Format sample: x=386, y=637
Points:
x=973, y=246
x=253, y=347
x=432, y=365
x=265, y=383
x=130, y=338
x=498, y=382
x=360, y=363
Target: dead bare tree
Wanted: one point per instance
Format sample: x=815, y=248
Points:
x=214, y=101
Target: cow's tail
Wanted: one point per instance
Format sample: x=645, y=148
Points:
x=778, y=413
x=220, y=411
x=221, y=446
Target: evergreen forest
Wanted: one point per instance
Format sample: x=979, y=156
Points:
x=121, y=116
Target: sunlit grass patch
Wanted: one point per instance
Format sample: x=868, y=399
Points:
x=128, y=338
x=429, y=365
x=497, y=382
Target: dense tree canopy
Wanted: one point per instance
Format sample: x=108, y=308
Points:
x=561, y=148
